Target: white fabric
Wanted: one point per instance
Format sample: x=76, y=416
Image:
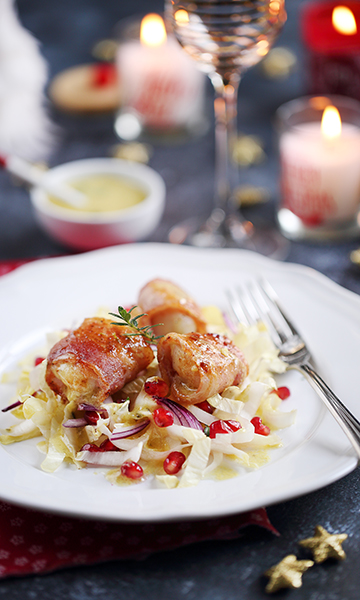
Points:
x=25, y=128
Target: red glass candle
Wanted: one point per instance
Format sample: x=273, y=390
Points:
x=333, y=56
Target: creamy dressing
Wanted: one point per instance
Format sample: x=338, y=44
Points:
x=105, y=193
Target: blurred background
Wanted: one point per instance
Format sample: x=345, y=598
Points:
x=71, y=34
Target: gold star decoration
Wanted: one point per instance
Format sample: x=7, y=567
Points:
x=134, y=151
x=325, y=545
x=287, y=573
x=248, y=150
x=355, y=257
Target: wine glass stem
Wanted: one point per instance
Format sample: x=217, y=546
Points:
x=225, y=109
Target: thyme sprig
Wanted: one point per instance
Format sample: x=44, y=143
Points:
x=127, y=320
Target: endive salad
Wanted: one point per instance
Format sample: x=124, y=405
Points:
x=144, y=432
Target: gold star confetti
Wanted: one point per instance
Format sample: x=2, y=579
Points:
x=325, y=545
x=105, y=50
x=134, y=151
x=249, y=195
x=355, y=257
x=287, y=573
x=279, y=63
x=248, y=150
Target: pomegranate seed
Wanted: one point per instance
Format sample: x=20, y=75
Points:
x=163, y=417
x=174, y=462
x=131, y=469
x=90, y=448
x=38, y=360
x=205, y=406
x=91, y=417
x=260, y=428
x=107, y=446
x=156, y=387
x=283, y=392
x=221, y=426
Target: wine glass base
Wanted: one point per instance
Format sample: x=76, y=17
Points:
x=231, y=232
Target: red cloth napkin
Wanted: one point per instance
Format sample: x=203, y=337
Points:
x=36, y=542
x=10, y=265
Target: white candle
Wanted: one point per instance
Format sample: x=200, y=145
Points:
x=158, y=80
x=320, y=177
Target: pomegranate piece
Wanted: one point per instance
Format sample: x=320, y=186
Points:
x=38, y=360
x=163, y=417
x=205, y=406
x=156, y=387
x=260, y=428
x=283, y=392
x=91, y=417
x=107, y=446
x=174, y=462
x=131, y=469
x=90, y=448
x=220, y=426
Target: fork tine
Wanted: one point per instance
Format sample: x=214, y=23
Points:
x=272, y=297
x=239, y=308
x=257, y=301
x=265, y=314
x=237, y=315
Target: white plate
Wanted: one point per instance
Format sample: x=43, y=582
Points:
x=53, y=293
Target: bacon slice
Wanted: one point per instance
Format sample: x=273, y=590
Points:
x=164, y=302
x=197, y=366
x=95, y=360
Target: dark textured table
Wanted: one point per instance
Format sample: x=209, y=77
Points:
x=215, y=570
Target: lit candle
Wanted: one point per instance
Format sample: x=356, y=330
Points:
x=320, y=170
x=159, y=82
x=331, y=32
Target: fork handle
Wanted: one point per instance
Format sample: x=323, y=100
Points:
x=347, y=421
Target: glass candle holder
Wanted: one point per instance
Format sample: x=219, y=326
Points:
x=319, y=148
x=331, y=35
x=162, y=91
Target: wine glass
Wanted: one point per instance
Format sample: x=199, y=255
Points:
x=225, y=38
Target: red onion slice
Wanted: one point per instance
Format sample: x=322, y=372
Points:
x=90, y=407
x=11, y=406
x=118, y=435
x=182, y=416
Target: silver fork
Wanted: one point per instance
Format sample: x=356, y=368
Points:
x=258, y=301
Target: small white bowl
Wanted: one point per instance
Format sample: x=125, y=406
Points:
x=88, y=230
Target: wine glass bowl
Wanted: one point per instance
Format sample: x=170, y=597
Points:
x=224, y=38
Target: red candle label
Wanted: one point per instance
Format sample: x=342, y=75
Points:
x=156, y=99
x=303, y=196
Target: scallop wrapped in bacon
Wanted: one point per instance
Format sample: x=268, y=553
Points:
x=196, y=366
x=166, y=303
x=96, y=360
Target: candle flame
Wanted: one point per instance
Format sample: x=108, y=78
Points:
x=152, y=30
x=181, y=17
x=331, y=123
x=344, y=21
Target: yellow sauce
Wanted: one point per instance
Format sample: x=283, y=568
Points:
x=222, y=473
x=105, y=193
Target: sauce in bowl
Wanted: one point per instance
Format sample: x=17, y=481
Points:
x=105, y=193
